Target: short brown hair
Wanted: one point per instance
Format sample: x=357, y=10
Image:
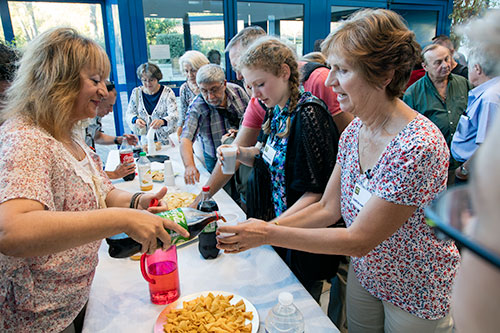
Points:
x=149, y=69
x=47, y=82
x=376, y=42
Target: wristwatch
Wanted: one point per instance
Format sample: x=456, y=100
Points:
x=464, y=171
x=116, y=141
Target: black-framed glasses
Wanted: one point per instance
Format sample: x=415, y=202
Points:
x=110, y=86
x=452, y=216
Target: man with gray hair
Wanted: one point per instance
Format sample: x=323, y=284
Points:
x=456, y=68
x=214, y=112
x=482, y=108
x=440, y=95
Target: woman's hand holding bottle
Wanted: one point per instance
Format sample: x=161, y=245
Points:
x=147, y=228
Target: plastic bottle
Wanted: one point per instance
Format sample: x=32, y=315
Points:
x=207, y=244
x=145, y=175
x=127, y=157
x=284, y=316
x=193, y=220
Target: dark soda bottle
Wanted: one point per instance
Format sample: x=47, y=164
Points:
x=193, y=220
x=127, y=157
x=207, y=244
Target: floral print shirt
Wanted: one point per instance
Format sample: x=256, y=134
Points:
x=277, y=167
x=412, y=269
x=186, y=97
x=45, y=293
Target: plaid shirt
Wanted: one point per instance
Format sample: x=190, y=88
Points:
x=206, y=121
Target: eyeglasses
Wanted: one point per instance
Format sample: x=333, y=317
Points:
x=148, y=80
x=212, y=91
x=452, y=216
x=110, y=86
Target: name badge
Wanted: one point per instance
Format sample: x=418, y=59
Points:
x=268, y=153
x=360, y=196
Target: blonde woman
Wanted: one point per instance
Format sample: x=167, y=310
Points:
x=300, y=146
x=189, y=64
x=152, y=105
x=53, y=190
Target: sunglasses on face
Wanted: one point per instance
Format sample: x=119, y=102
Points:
x=452, y=216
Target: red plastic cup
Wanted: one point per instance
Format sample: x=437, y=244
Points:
x=162, y=275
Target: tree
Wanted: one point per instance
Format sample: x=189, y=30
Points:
x=156, y=26
x=464, y=10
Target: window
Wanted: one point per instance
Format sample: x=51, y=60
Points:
x=2, y=36
x=422, y=22
x=340, y=13
x=173, y=27
x=32, y=18
x=284, y=20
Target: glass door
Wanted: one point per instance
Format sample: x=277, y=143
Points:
x=176, y=26
x=279, y=19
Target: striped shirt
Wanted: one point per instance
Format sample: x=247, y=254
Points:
x=206, y=121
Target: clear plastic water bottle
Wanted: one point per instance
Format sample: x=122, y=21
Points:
x=145, y=175
x=284, y=316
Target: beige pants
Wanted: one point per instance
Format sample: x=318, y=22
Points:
x=366, y=313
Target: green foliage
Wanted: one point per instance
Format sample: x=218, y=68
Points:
x=217, y=44
x=156, y=26
x=464, y=10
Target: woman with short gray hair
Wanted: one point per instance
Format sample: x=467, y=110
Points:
x=189, y=63
x=153, y=105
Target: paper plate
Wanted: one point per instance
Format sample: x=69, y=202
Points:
x=162, y=319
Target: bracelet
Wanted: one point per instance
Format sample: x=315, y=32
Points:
x=137, y=200
x=134, y=200
x=116, y=141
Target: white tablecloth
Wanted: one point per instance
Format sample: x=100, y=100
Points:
x=119, y=299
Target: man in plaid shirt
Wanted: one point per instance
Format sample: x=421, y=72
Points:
x=218, y=109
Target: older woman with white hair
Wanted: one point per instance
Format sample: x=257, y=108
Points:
x=189, y=63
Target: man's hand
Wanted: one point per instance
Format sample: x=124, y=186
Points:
x=132, y=139
x=230, y=134
x=157, y=123
x=191, y=175
x=122, y=170
x=460, y=175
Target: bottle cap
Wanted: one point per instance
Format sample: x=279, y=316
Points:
x=142, y=153
x=205, y=188
x=285, y=298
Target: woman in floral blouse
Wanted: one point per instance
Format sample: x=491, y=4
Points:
x=392, y=162
x=152, y=105
x=53, y=191
x=189, y=63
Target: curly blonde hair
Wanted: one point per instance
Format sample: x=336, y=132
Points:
x=376, y=42
x=47, y=82
x=269, y=54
